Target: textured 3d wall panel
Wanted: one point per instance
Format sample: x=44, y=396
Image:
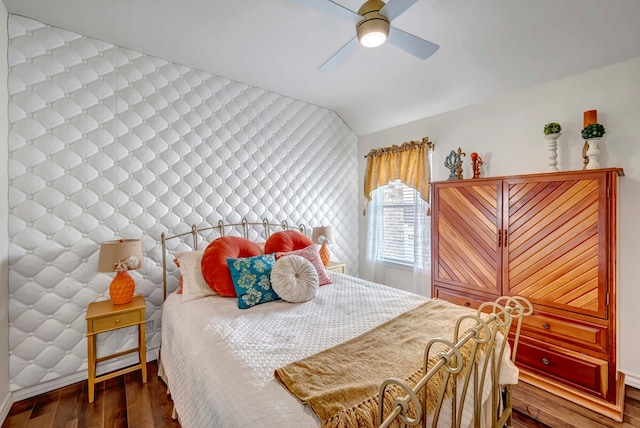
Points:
x=106, y=142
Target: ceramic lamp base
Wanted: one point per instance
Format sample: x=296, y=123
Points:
x=325, y=256
x=122, y=288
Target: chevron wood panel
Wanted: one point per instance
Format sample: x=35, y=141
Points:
x=467, y=250
x=536, y=213
x=553, y=243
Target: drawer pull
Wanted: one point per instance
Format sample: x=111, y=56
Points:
x=467, y=304
x=545, y=325
x=117, y=321
x=546, y=361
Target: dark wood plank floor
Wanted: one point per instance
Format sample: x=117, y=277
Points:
x=126, y=402
x=120, y=402
x=537, y=408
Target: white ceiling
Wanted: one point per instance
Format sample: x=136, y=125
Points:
x=487, y=47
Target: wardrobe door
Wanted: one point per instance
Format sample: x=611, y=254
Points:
x=555, y=242
x=467, y=225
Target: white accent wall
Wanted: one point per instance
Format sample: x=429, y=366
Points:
x=507, y=134
x=105, y=142
x=5, y=395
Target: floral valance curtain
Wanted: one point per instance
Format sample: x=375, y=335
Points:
x=407, y=162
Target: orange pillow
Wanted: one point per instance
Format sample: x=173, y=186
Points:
x=285, y=241
x=214, y=262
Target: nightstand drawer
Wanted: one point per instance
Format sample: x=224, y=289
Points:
x=116, y=321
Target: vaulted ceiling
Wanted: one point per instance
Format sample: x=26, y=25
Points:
x=487, y=47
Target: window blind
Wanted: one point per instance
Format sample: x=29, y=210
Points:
x=399, y=201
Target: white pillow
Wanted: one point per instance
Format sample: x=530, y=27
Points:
x=193, y=284
x=294, y=279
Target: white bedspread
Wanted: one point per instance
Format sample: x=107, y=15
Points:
x=219, y=359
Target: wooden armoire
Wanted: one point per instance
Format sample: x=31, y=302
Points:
x=551, y=238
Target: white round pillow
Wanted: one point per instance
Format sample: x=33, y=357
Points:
x=294, y=279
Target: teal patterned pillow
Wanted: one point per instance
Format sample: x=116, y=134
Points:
x=251, y=279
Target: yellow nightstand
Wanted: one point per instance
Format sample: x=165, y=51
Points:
x=105, y=316
x=336, y=266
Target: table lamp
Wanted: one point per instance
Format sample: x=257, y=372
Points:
x=120, y=256
x=323, y=235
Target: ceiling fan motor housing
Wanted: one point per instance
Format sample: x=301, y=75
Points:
x=374, y=23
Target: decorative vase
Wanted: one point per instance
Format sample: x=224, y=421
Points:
x=552, y=150
x=593, y=153
x=122, y=288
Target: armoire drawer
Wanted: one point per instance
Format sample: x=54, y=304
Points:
x=563, y=330
x=461, y=299
x=588, y=374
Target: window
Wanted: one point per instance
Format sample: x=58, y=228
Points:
x=398, y=227
x=398, y=217
x=398, y=223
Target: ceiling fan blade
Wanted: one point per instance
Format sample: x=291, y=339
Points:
x=416, y=46
x=339, y=56
x=331, y=8
x=393, y=8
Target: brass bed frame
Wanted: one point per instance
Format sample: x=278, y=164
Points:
x=484, y=333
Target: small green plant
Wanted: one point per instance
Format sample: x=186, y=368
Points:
x=552, y=128
x=595, y=130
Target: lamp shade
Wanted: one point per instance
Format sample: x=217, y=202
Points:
x=113, y=252
x=322, y=234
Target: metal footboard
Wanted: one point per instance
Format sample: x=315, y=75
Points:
x=482, y=338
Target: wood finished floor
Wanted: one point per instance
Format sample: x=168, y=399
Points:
x=120, y=402
x=126, y=402
x=547, y=410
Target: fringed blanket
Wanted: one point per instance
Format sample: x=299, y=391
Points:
x=341, y=383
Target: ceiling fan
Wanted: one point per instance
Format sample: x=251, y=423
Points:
x=373, y=28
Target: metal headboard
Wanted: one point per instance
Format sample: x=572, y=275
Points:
x=221, y=227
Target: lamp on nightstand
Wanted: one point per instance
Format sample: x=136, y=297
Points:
x=323, y=235
x=120, y=256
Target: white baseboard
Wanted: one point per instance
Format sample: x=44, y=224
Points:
x=632, y=380
x=6, y=406
x=21, y=394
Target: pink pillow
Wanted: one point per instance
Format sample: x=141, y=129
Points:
x=310, y=253
x=287, y=240
x=214, y=262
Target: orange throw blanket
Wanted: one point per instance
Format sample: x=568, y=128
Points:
x=341, y=383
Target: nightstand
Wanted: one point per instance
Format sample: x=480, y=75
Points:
x=105, y=316
x=336, y=266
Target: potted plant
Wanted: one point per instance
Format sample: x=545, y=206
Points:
x=594, y=130
x=552, y=128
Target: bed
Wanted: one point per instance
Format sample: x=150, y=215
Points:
x=224, y=367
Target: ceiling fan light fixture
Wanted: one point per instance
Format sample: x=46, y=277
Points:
x=373, y=30
x=373, y=33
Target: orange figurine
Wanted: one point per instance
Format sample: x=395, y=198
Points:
x=477, y=163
